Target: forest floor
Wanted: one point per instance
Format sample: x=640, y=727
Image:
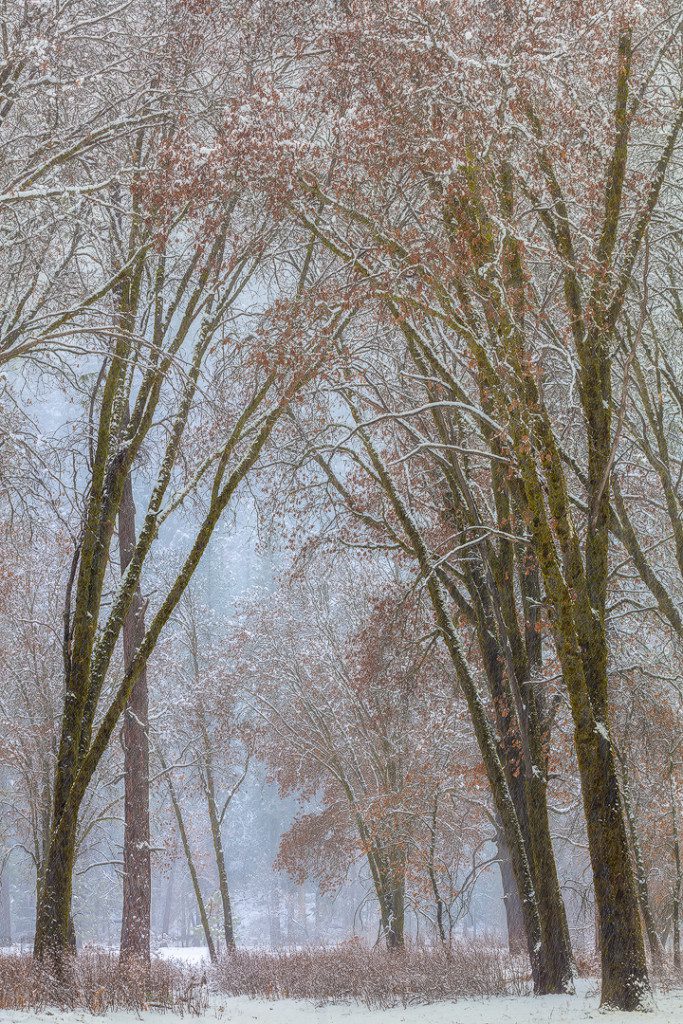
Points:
x=579, y=1009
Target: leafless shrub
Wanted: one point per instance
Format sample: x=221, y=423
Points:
x=97, y=981
x=353, y=973
x=587, y=963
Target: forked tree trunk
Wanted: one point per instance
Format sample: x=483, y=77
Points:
x=578, y=614
x=508, y=659
x=483, y=732
x=527, y=785
x=137, y=868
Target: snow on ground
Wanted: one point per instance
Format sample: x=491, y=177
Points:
x=187, y=954
x=579, y=1009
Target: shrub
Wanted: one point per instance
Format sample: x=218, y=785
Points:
x=354, y=973
x=97, y=981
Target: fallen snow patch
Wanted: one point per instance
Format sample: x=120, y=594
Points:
x=579, y=1009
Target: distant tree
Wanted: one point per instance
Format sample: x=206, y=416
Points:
x=352, y=697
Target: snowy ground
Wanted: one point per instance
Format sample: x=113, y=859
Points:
x=187, y=954
x=579, y=1009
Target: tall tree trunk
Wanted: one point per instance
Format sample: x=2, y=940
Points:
x=201, y=906
x=508, y=661
x=397, y=897
x=431, y=871
x=526, y=775
x=486, y=740
x=5, y=907
x=578, y=617
x=389, y=881
x=557, y=962
x=656, y=951
x=168, y=902
x=513, y=907
x=678, y=872
x=395, y=934
x=625, y=983
x=137, y=868
x=54, y=926
x=217, y=839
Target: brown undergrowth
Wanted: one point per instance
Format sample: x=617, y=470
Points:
x=373, y=977
x=97, y=981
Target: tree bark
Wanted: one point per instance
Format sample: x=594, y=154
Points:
x=509, y=659
x=557, y=963
x=678, y=876
x=5, y=907
x=201, y=906
x=395, y=933
x=168, y=902
x=432, y=874
x=137, y=868
x=54, y=927
x=388, y=874
x=656, y=951
x=217, y=839
x=513, y=907
x=625, y=983
x=526, y=775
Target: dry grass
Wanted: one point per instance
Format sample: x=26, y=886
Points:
x=96, y=981
x=354, y=973
x=349, y=973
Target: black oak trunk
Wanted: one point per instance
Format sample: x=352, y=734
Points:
x=514, y=915
x=54, y=937
x=219, y=852
x=137, y=868
x=625, y=982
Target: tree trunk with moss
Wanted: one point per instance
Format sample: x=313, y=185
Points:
x=54, y=930
x=191, y=867
x=483, y=731
x=625, y=983
x=557, y=964
x=643, y=889
x=507, y=663
x=217, y=840
x=137, y=866
x=513, y=908
x=678, y=871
